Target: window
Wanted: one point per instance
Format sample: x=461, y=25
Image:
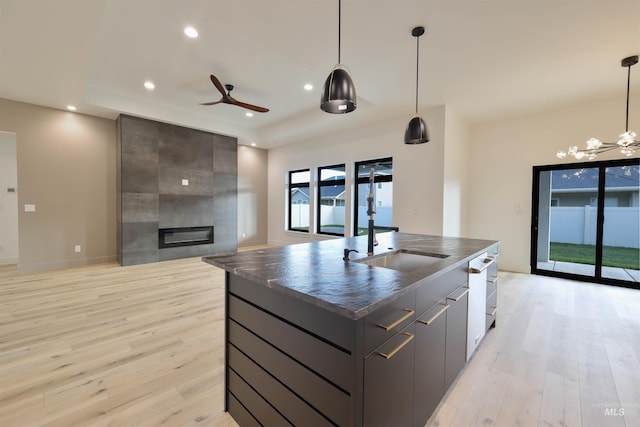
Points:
x=299, y=200
x=331, y=193
x=382, y=195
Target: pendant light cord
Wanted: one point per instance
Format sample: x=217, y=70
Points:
x=626, y=126
x=339, y=26
x=417, y=64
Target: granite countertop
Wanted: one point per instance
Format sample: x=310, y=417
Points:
x=315, y=272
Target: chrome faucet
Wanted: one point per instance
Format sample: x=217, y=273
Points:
x=371, y=234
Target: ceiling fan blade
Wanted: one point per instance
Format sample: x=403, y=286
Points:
x=227, y=99
x=218, y=85
x=212, y=103
x=249, y=106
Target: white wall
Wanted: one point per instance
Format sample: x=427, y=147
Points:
x=456, y=174
x=503, y=153
x=252, y=196
x=67, y=169
x=8, y=200
x=418, y=178
x=418, y=172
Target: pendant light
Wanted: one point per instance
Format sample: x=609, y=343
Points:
x=338, y=93
x=416, y=131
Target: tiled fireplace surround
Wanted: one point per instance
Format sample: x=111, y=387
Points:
x=155, y=161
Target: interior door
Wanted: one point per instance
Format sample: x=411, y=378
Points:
x=585, y=220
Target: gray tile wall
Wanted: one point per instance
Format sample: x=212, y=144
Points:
x=154, y=158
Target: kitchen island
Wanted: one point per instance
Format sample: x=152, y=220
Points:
x=314, y=340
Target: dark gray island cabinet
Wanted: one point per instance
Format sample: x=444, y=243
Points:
x=312, y=340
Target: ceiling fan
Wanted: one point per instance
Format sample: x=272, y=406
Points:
x=228, y=99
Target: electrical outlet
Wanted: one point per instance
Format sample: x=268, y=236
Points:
x=185, y=182
x=78, y=248
x=244, y=235
x=29, y=208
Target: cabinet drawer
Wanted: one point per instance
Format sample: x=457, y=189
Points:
x=492, y=284
x=385, y=322
x=432, y=291
x=492, y=308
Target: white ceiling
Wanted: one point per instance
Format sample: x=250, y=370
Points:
x=486, y=59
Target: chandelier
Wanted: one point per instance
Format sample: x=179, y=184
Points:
x=628, y=142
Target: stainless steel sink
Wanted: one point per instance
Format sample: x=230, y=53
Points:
x=403, y=260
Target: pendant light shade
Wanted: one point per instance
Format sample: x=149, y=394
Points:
x=338, y=92
x=416, y=131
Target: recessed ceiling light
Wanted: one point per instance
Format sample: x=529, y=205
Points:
x=253, y=144
x=191, y=32
x=308, y=87
x=149, y=85
x=71, y=107
x=248, y=114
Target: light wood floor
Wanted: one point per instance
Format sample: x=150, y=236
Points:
x=143, y=346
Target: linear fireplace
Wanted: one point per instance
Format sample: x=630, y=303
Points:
x=184, y=236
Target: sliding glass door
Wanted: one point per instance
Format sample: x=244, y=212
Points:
x=621, y=229
x=586, y=221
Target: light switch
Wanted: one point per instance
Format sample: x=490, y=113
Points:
x=185, y=182
x=29, y=208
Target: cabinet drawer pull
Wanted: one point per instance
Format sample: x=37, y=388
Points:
x=493, y=313
x=487, y=263
x=466, y=291
x=408, y=314
x=398, y=348
x=435, y=316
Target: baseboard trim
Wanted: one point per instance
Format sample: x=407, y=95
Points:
x=63, y=264
x=8, y=261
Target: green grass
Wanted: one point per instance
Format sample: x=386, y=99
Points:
x=586, y=254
